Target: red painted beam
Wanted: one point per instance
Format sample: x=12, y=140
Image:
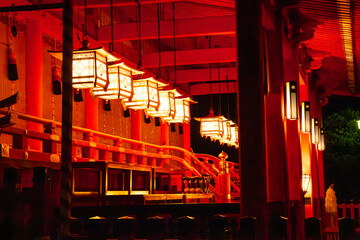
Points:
x=191, y=57
x=203, y=75
x=184, y=28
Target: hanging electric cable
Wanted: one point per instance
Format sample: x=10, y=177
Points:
x=158, y=75
x=111, y=47
x=174, y=43
x=228, y=97
x=219, y=113
x=139, y=67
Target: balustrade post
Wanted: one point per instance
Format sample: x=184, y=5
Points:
x=142, y=159
x=90, y=151
x=50, y=146
x=118, y=156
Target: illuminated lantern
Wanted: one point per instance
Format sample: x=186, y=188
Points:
x=182, y=111
x=321, y=144
x=234, y=135
x=226, y=137
x=120, y=82
x=306, y=187
x=305, y=117
x=211, y=126
x=315, y=131
x=358, y=122
x=306, y=182
x=167, y=104
x=146, y=94
x=90, y=67
x=291, y=100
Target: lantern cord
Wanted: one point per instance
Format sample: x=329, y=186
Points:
x=219, y=91
x=173, y=5
x=210, y=80
x=85, y=32
x=139, y=32
x=111, y=47
x=158, y=75
x=228, y=96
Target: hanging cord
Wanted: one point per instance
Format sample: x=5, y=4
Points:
x=219, y=90
x=84, y=42
x=139, y=32
x=228, y=96
x=111, y=47
x=173, y=5
x=210, y=84
x=158, y=75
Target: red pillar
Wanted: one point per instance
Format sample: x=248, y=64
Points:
x=91, y=122
x=34, y=76
x=186, y=136
x=136, y=117
x=165, y=140
x=92, y=112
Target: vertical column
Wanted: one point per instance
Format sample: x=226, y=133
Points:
x=34, y=76
x=296, y=208
x=165, y=138
x=186, y=136
x=92, y=112
x=66, y=131
x=136, y=117
x=251, y=113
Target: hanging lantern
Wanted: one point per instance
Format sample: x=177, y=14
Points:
x=291, y=100
x=305, y=117
x=306, y=183
x=226, y=137
x=167, y=107
x=120, y=82
x=234, y=135
x=146, y=94
x=90, y=67
x=182, y=111
x=321, y=144
x=315, y=130
x=211, y=126
x=358, y=122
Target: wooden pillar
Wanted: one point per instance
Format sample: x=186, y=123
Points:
x=67, y=98
x=251, y=114
x=165, y=138
x=186, y=136
x=91, y=111
x=136, y=118
x=34, y=76
x=296, y=210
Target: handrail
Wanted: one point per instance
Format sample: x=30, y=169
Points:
x=188, y=156
x=204, y=155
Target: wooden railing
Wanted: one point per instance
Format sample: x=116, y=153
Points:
x=350, y=210
x=88, y=148
x=215, y=166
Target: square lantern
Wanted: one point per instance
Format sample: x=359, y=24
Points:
x=315, y=131
x=321, y=144
x=234, y=135
x=120, y=82
x=305, y=182
x=182, y=111
x=291, y=100
x=167, y=103
x=90, y=67
x=305, y=117
x=211, y=126
x=146, y=94
x=226, y=137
